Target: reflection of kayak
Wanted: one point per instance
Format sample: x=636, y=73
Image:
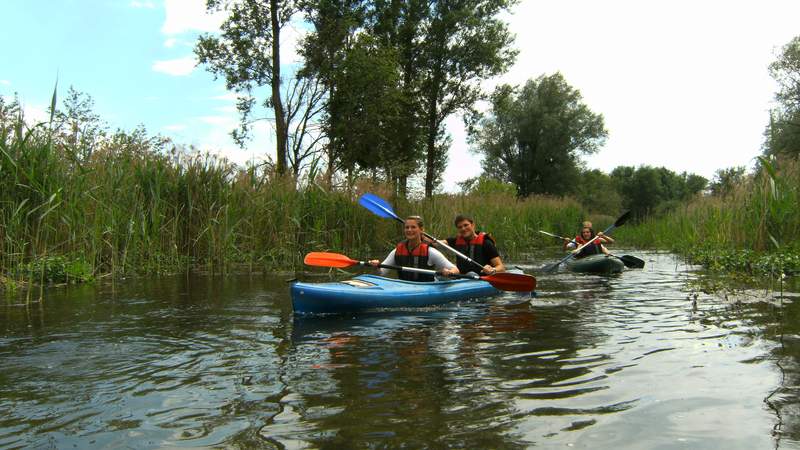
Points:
x=372, y=292
x=596, y=264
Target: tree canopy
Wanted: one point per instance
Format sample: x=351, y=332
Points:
x=533, y=137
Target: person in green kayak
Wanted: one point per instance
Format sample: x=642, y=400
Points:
x=479, y=246
x=603, y=237
x=594, y=248
x=586, y=224
x=414, y=253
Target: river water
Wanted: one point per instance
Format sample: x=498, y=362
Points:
x=630, y=361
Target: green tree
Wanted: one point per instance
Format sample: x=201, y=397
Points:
x=399, y=24
x=465, y=43
x=367, y=106
x=534, y=136
x=783, y=131
x=650, y=190
x=484, y=185
x=598, y=193
x=246, y=54
x=78, y=126
x=726, y=180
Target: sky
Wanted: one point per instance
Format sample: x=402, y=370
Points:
x=681, y=84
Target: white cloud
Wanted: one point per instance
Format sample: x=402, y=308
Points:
x=226, y=109
x=5, y=82
x=176, y=67
x=219, y=121
x=229, y=96
x=169, y=43
x=143, y=4
x=176, y=127
x=189, y=15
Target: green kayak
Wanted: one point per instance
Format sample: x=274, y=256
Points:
x=596, y=264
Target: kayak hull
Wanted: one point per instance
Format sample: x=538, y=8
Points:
x=601, y=264
x=374, y=292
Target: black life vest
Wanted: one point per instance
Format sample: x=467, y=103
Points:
x=474, y=249
x=591, y=249
x=417, y=258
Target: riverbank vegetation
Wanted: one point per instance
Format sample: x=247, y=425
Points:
x=747, y=222
x=77, y=206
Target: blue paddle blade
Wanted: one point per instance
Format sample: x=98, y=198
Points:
x=377, y=206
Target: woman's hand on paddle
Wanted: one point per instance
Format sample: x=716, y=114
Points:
x=451, y=271
x=374, y=262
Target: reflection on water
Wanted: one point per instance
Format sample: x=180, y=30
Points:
x=628, y=361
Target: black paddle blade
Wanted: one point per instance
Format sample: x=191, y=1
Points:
x=622, y=219
x=632, y=262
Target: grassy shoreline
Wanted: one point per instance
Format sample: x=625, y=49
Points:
x=133, y=205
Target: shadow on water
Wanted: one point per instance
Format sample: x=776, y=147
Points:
x=638, y=360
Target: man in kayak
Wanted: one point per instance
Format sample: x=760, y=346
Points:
x=414, y=253
x=479, y=246
x=594, y=248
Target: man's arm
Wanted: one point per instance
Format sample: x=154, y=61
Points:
x=495, y=263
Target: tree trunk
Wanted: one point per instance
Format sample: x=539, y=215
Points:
x=430, y=141
x=281, y=128
x=402, y=186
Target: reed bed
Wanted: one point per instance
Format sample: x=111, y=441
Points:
x=136, y=205
x=758, y=224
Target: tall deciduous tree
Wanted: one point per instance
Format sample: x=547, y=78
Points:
x=464, y=42
x=247, y=54
x=335, y=24
x=533, y=137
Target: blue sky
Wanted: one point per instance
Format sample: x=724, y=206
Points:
x=681, y=84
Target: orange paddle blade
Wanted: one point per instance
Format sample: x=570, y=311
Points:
x=325, y=259
x=506, y=281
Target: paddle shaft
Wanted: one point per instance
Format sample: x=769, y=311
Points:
x=437, y=242
x=557, y=236
x=409, y=269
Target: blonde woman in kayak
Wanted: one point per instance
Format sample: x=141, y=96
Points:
x=414, y=253
x=594, y=248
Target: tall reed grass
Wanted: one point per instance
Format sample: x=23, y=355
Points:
x=760, y=216
x=136, y=204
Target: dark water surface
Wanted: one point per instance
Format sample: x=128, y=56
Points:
x=630, y=361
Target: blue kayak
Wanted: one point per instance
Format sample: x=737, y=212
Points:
x=375, y=292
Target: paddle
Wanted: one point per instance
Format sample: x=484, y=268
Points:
x=557, y=236
x=617, y=223
x=381, y=208
x=504, y=281
x=630, y=261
